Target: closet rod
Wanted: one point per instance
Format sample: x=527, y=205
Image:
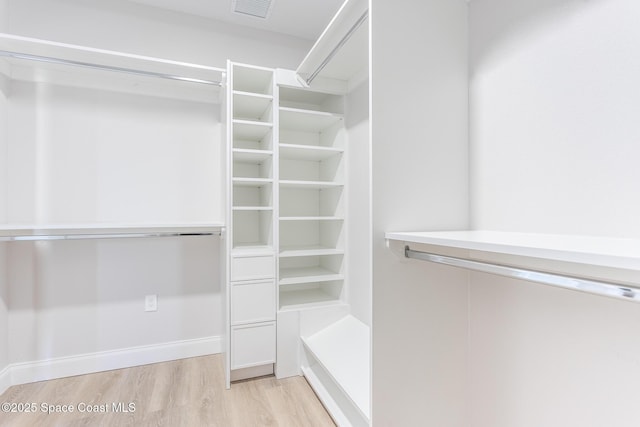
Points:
x=567, y=282
x=335, y=50
x=105, y=236
x=52, y=60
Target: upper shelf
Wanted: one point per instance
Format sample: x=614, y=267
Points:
x=18, y=232
x=30, y=59
x=599, y=251
x=342, y=50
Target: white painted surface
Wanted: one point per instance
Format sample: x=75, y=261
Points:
x=252, y=268
x=143, y=30
x=4, y=315
x=358, y=171
x=253, y=302
x=419, y=131
x=343, y=349
x=253, y=345
x=554, y=92
x=311, y=17
x=92, y=156
x=77, y=297
x=602, y=251
x=41, y=370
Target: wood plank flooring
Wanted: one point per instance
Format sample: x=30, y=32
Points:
x=188, y=392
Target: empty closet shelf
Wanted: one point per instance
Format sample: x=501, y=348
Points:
x=307, y=120
x=250, y=130
x=309, y=184
x=252, y=208
x=306, y=298
x=290, y=276
x=341, y=351
x=251, y=156
x=252, y=182
x=308, y=152
x=311, y=218
x=312, y=250
x=252, y=106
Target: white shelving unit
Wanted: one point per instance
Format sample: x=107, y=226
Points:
x=251, y=291
x=311, y=197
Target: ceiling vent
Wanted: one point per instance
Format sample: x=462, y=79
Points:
x=257, y=8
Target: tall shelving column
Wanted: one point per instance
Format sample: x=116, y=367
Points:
x=252, y=292
x=311, y=199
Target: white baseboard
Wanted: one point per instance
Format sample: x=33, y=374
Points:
x=60, y=367
x=5, y=379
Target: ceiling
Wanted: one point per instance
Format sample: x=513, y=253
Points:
x=300, y=18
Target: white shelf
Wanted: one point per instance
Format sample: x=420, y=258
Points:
x=308, y=152
x=251, y=156
x=252, y=249
x=252, y=208
x=306, y=298
x=79, y=66
x=252, y=182
x=250, y=130
x=343, y=351
x=311, y=250
x=252, y=106
x=307, y=120
x=311, y=218
x=100, y=230
x=290, y=276
x=601, y=251
x=317, y=185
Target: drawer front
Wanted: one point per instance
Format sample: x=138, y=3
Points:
x=253, y=302
x=253, y=268
x=253, y=345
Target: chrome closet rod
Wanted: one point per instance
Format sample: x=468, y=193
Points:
x=568, y=282
x=104, y=236
x=335, y=50
x=52, y=60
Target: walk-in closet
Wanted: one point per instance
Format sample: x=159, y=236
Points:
x=407, y=213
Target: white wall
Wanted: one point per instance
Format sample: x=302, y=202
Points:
x=130, y=27
x=554, y=96
x=4, y=296
x=419, y=137
x=74, y=297
x=554, y=140
x=86, y=155
x=359, y=201
x=81, y=155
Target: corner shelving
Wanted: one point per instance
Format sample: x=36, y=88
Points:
x=311, y=198
x=251, y=288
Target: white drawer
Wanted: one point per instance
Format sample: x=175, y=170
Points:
x=253, y=345
x=253, y=268
x=253, y=302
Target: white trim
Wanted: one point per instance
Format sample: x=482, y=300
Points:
x=60, y=367
x=5, y=379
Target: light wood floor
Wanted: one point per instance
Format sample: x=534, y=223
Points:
x=188, y=392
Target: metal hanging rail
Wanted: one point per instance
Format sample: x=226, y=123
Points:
x=40, y=237
x=336, y=49
x=52, y=60
x=574, y=283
